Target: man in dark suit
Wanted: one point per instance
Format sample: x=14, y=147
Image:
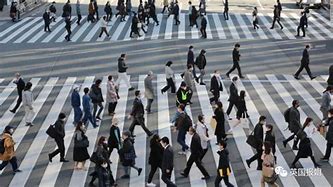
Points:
x=203, y=26
x=201, y=63
x=167, y=162
x=59, y=127
x=294, y=124
x=258, y=133
x=47, y=21
x=190, y=60
x=137, y=114
x=20, y=84
x=233, y=98
x=176, y=13
x=235, y=58
x=196, y=153
x=215, y=86
x=302, y=23
x=276, y=17
x=305, y=64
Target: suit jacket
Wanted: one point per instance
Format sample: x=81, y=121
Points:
x=258, y=133
x=20, y=84
x=305, y=57
x=195, y=146
x=167, y=161
x=224, y=159
x=190, y=57
x=215, y=84
x=235, y=55
x=294, y=118
x=303, y=21
x=270, y=138
x=137, y=109
x=201, y=61
x=233, y=93
x=60, y=129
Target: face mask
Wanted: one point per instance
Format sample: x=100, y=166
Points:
x=104, y=165
x=11, y=131
x=105, y=142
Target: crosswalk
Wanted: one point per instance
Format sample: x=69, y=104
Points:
x=239, y=26
x=267, y=95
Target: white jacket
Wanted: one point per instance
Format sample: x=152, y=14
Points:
x=27, y=98
x=202, y=131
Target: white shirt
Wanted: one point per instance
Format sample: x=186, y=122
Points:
x=27, y=98
x=103, y=23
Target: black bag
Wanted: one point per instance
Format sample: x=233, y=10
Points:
x=94, y=158
x=82, y=143
x=51, y=131
x=301, y=135
x=286, y=115
x=2, y=146
x=252, y=141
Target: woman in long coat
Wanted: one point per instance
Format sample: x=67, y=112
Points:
x=112, y=95
x=155, y=157
x=80, y=154
x=219, y=117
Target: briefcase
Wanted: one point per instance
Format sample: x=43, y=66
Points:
x=252, y=141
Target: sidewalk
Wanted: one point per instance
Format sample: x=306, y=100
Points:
x=4, y=15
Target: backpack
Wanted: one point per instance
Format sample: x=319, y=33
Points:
x=286, y=115
x=2, y=146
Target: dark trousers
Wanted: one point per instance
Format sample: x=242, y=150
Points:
x=96, y=13
x=95, y=110
x=166, y=179
x=112, y=107
x=303, y=30
x=176, y=18
x=298, y=157
x=235, y=65
x=88, y=116
x=292, y=137
x=68, y=36
x=153, y=168
x=79, y=17
x=216, y=97
x=103, y=29
x=47, y=27
x=18, y=102
x=231, y=104
x=307, y=68
x=61, y=148
x=226, y=15
x=190, y=19
x=328, y=150
x=278, y=21
x=204, y=153
x=77, y=114
x=154, y=18
x=195, y=159
x=181, y=139
x=139, y=121
x=170, y=84
x=257, y=157
x=225, y=179
x=12, y=161
x=164, y=7
x=149, y=102
x=108, y=16
x=203, y=32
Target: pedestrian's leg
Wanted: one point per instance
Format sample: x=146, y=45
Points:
x=18, y=102
x=239, y=71
x=307, y=68
x=94, y=110
x=217, y=180
x=100, y=109
x=153, y=169
x=173, y=86
x=231, y=104
x=57, y=151
x=131, y=128
x=232, y=69
x=295, y=160
x=3, y=165
x=142, y=124
x=328, y=150
x=189, y=164
x=303, y=30
x=299, y=70
x=13, y=162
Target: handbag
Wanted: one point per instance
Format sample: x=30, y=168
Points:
x=252, y=141
x=213, y=122
x=94, y=158
x=51, y=131
x=139, y=25
x=82, y=143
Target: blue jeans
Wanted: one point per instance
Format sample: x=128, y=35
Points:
x=77, y=114
x=88, y=116
x=12, y=161
x=181, y=139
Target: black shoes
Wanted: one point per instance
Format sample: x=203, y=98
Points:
x=12, y=111
x=125, y=177
x=130, y=89
x=248, y=163
x=324, y=159
x=284, y=143
x=205, y=177
x=50, y=158
x=312, y=77
x=139, y=171
x=296, y=77
x=64, y=160
x=202, y=83
x=183, y=174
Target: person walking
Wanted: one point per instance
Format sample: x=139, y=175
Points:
x=13, y=11
x=97, y=99
x=8, y=156
x=175, y=11
x=194, y=16
x=255, y=18
x=195, y=157
x=53, y=11
x=122, y=75
x=329, y=136
x=215, y=87
x=326, y=102
x=28, y=100
x=236, y=57
x=268, y=163
x=220, y=120
x=184, y=95
x=182, y=124
x=81, y=144
x=302, y=23
x=112, y=95
x=202, y=131
x=152, y=13
x=258, y=134
x=233, y=97
x=188, y=77
x=114, y=141
x=20, y=84
x=167, y=162
x=226, y=10
x=86, y=104
x=138, y=115
x=170, y=78
x=59, y=128
x=155, y=158
x=128, y=155
x=276, y=17
x=136, y=25
x=270, y=137
x=103, y=27
x=108, y=11
x=330, y=76
x=305, y=149
x=96, y=9
x=47, y=21
x=203, y=26
x=190, y=9
x=76, y=104
x=241, y=106
x=165, y=6
x=294, y=124
x=305, y=61
x=279, y=7
x=202, y=7
x=78, y=12
x=201, y=62
x=91, y=11
x=149, y=90
x=68, y=23
x=67, y=10
x=223, y=169
x=190, y=60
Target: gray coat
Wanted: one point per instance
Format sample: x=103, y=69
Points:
x=294, y=120
x=111, y=94
x=188, y=79
x=325, y=101
x=149, y=91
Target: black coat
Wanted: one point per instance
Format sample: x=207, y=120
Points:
x=46, y=17
x=305, y=149
x=60, y=129
x=215, y=86
x=67, y=10
x=223, y=160
x=271, y=138
x=201, y=61
x=20, y=84
x=241, y=106
x=102, y=155
x=195, y=146
x=220, y=120
x=329, y=134
x=303, y=21
x=233, y=93
x=258, y=133
x=156, y=154
x=305, y=57
x=113, y=141
x=137, y=109
x=167, y=161
x=294, y=118
x=235, y=55
x=121, y=65
x=96, y=94
x=190, y=57
x=203, y=22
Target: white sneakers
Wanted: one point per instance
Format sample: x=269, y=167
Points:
x=151, y=184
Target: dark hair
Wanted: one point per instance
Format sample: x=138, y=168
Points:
x=269, y=126
x=137, y=92
x=182, y=84
x=306, y=122
x=223, y=143
x=242, y=94
x=101, y=140
x=98, y=81
x=328, y=88
x=86, y=90
x=294, y=103
x=267, y=146
x=189, y=66
x=78, y=126
x=235, y=78
x=123, y=55
x=110, y=77
x=202, y=51
x=104, y=17
x=154, y=139
x=192, y=129
x=168, y=63
x=219, y=104
x=165, y=140
x=307, y=46
x=261, y=118
x=200, y=117
x=62, y=115
x=330, y=111
x=237, y=45
x=7, y=129
x=181, y=106
x=28, y=85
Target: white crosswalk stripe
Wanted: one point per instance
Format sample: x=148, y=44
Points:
x=239, y=27
x=258, y=92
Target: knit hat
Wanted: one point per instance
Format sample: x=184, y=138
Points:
x=183, y=84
